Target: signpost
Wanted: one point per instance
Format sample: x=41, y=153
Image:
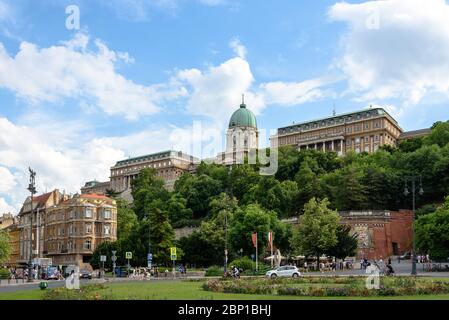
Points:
x=103, y=260
x=114, y=259
x=173, y=258
x=150, y=260
x=129, y=256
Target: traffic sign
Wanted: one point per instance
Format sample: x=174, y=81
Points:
x=103, y=258
x=173, y=253
x=114, y=258
x=129, y=255
x=149, y=257
x=174, y=257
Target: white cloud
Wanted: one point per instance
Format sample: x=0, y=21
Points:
x=58, y=164
x=5, y=207
x=71, y=70
x=7, y=180
x=216, y=92
x=395, y=49
x=295, y=93
x=238, y=47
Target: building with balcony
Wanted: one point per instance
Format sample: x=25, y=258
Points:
x=362, y=131
x=75, y=227
x=35, y=221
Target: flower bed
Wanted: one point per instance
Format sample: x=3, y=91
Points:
x=319, y=287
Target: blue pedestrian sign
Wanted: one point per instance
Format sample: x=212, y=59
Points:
x=149, y=257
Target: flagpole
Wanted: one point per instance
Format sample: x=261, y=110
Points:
x=271, y=246
x=257, y=258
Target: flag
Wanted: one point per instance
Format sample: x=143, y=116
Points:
x=254, y=238
x=270, y=239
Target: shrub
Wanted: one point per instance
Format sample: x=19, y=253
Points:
x=4, y=274
x=89, y=292
x=244, y=263
x=214, y=271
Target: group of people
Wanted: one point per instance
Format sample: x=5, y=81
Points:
x=385, y=268
x=327, y=266
x=145, y=272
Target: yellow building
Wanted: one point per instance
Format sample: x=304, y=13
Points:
x=362, y=131
x=75, y=227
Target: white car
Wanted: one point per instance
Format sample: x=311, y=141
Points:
x=286, y=271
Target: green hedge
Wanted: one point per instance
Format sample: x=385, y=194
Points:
x=4, y=274
x=351, y=287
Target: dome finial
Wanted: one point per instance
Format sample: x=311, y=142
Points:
x=243, y=105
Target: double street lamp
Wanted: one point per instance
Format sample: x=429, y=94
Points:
x=414, y=181
x=32, y=189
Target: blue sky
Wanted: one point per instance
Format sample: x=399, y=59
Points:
x=142, y=76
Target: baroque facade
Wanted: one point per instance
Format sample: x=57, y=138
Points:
x=75, y=227
x=361, y=131
x=41, y=203
x=169, y=165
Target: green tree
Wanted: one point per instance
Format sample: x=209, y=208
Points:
x=254, y=219
x=146, y=189
x=432, y=233
x=439, y=135
x=178, y=212
x=307, y=181
x=316, y=233
x=126, y=219
x=346, y=245
x=5, y=246
x=161, y=234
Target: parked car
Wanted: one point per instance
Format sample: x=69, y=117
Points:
x=85, y=274
x=286, y=271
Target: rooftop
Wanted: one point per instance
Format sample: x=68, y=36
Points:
x=157, y=156
x=415, y=133
x=338, y=119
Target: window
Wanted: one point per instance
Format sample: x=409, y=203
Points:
x=88, y=227
x=107, y=214
x=107, y=230
x=366, y=148
x=366, y=139
x=366, y=126
x=89, y=213
x=357, y=140
x=376, y=137
x=87, y=244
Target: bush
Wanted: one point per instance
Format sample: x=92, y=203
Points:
x=244, y=263
x=4, y=274
x=214, y=271
x=89, y=292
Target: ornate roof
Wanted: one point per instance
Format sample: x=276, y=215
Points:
x=243, y=118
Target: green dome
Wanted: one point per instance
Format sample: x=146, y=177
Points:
x=243, y=118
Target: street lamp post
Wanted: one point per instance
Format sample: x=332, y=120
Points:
x=32, y=189
x=228, y=194
x=413, y=180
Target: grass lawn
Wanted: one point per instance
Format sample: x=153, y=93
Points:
x=171, y=290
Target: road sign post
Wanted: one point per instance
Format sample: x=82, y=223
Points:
x=114, y=259
x=129, y=256
x=173, y=258
x=103, y=260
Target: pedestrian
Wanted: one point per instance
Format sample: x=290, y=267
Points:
x=389, y=261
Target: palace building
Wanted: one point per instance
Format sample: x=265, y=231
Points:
x=242, y=136
x=361, y=131
x=169, y=165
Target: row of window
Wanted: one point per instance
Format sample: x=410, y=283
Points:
x=134, y=169
x=72, y=230
x=330, y=122
x=70, y=246
x=88, y=213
